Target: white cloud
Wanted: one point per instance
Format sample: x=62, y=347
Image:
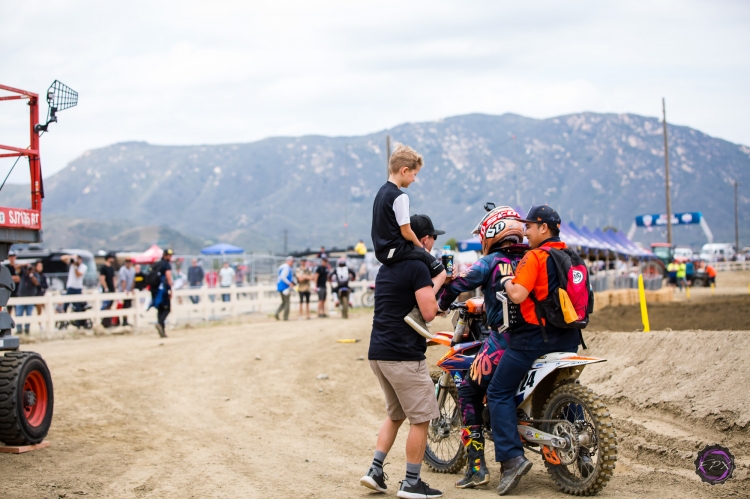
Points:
x=200, y=72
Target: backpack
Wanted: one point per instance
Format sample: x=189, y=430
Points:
x=342, y=276
x=153, y=278
x=571, y=300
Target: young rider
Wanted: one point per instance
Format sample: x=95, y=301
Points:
x=528, y=341
x=501, y=234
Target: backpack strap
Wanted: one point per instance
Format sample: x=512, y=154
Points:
x=539, y=316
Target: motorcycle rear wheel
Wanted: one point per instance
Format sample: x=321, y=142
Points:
x=445, y=453
x=585, y=409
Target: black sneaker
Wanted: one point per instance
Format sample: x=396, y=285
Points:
x=513, y=470
x=374, y=480
x=420, y=490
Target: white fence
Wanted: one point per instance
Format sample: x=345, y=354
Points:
x=727, y=266
x=211, y=304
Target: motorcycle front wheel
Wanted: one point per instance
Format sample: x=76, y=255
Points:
x=368, y=299
x=588, y=463
x=445, y=452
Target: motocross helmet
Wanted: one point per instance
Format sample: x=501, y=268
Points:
x=341, y=262
x=500, y=224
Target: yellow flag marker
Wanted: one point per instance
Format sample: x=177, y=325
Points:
x=687, y=292
x=346, y=340
x=644, y=312
x=712, y=289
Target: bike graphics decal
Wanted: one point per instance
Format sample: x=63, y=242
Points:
x=527, y=381
x=577, y=277
x=714, y=464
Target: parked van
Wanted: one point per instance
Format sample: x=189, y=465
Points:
x=717, y=252
x=685, y=254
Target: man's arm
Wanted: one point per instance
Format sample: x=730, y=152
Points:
x=78, y=271
x=102, y=280
x=409, y=235
x=516, y=292
x=427, y=303
x=468, y=281
x=518, y=288
x=168, y=275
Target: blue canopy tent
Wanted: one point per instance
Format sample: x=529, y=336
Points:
x=470, y=245
x=222, y=249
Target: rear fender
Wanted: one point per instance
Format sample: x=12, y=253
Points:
x=546, y=373
x=441, y=338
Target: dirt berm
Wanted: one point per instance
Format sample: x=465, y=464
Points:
x=197, y=416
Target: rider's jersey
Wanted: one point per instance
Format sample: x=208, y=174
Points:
x=487, y=273
x=340, y=277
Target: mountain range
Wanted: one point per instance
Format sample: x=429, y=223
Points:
x=595, y=169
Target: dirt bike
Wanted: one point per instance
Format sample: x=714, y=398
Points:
x=343, y=294
x=564, y=422
x=368, y=297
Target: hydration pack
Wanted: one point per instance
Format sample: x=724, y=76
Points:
x=571, y=299
x=342, y=276
x=153, y=278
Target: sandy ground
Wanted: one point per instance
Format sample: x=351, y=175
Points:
x=237, y=411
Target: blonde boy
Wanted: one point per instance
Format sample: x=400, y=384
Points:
x=392, y=235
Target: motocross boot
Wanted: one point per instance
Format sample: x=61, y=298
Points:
x=476, y=468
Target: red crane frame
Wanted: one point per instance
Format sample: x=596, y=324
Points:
x=24, y=225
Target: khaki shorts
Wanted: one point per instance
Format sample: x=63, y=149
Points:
x=408, y=389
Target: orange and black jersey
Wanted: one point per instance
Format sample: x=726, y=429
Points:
x=536, y=272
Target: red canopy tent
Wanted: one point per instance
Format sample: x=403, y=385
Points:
x=151, y=255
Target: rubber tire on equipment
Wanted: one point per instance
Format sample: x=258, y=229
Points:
x=458, y=461
x=16, y=426
x=605, y=434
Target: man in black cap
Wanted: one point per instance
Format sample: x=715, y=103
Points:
x=397, y=358
x=424, y=230
x=527, y=343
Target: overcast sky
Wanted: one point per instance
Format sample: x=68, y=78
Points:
x=212, y=72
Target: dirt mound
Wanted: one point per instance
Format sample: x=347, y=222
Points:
x=240, y=411
x=712, y=313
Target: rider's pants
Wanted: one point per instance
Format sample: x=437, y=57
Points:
x=473, y=388
x=512, y=368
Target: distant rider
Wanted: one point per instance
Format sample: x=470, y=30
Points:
x=501, y=234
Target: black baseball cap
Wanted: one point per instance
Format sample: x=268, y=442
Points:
x=543, y=214
x=422, y=226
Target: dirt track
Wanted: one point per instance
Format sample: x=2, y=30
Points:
x=196, y=415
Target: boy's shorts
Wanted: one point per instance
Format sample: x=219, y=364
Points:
x=304, y=297
x=408, y=389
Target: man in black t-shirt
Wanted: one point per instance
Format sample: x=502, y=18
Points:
x=161, y=295
x=107, y=282
x=321, y=280
x=397, y=358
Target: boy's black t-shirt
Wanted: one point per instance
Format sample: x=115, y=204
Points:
x=109, y=278
x=392, y=338
x=386, y=235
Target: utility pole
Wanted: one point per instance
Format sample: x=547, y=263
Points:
x=666, y=174
x=285, y=240
x=515, y=174
x=736, y=220
x=387, y=156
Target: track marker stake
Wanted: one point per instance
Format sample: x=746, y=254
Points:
x=644, y=311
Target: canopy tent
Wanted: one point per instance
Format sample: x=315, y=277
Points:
x=222, y=249
x=150, y=255
x=470, y=245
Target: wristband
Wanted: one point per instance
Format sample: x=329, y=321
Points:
x=505, y=280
